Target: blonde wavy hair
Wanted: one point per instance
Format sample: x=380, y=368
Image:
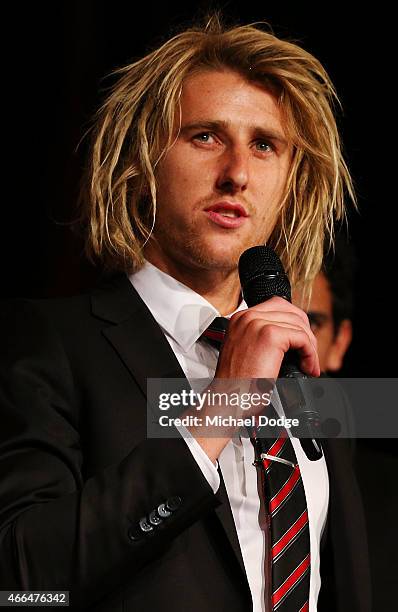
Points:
x=134, y=128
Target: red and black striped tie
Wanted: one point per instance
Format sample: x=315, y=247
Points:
x=285, y=505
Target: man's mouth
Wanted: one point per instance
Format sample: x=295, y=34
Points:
x=229, y=215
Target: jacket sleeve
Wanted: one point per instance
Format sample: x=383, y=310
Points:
x=57, y=530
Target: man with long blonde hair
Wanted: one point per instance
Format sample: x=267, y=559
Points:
x=221, y=139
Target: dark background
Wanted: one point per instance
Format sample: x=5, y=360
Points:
x=53, y=69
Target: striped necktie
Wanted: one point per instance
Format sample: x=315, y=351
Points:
x=284, y=503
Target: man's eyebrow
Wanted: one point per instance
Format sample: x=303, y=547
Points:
x=261, y=132
x=204, y=124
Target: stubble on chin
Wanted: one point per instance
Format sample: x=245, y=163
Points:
x=214, y=254
x=199, y=247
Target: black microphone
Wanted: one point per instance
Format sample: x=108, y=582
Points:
x=262, y=277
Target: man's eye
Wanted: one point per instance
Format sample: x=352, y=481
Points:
x=317, y=321
x=315, y=327
x=204, y=137
x=263, y=146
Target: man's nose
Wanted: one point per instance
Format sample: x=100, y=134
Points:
x=233, y=173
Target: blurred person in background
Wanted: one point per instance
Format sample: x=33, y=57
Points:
x=330, y=309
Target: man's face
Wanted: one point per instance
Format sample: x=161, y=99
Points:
x=332, y=343
x=222, y=180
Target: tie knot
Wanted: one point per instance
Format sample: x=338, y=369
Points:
x=216, y=331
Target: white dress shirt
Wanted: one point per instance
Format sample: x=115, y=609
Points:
x=183, y=316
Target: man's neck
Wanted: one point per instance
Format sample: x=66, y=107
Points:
x=219, y=287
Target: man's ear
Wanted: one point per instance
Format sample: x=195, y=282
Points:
x=339, y=347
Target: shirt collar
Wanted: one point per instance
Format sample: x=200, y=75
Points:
x=182, y=313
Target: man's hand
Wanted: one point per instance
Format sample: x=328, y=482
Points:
x=254, y=347
x=259, y=337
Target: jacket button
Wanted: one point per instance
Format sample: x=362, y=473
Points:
x=163, y=512
x=154, y=518
x=144, y=525
x=173, y=503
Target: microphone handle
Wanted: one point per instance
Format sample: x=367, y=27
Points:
x=295, y=405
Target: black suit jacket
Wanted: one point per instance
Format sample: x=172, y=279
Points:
x=77, y=472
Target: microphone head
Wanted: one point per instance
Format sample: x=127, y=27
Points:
x=262, y=276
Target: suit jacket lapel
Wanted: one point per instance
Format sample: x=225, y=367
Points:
x=133, y=329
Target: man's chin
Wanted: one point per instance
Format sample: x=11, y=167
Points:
x=218, y=259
